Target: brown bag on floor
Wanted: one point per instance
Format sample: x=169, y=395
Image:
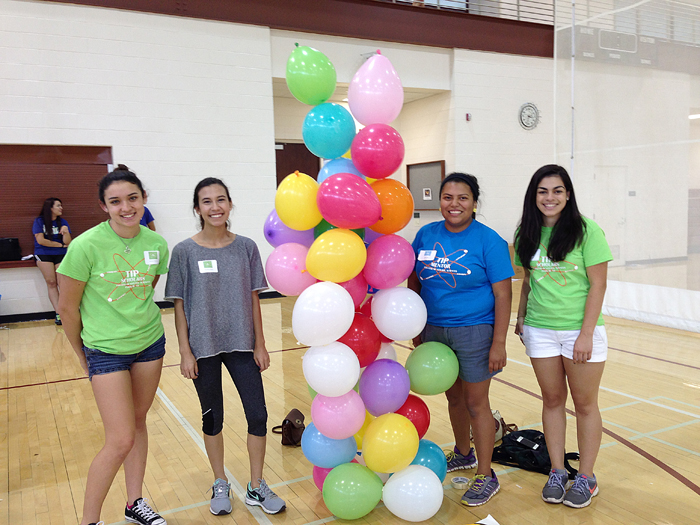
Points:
x=291, y=428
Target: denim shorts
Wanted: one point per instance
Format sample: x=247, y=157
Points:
x=103, y=363
x=471, y=344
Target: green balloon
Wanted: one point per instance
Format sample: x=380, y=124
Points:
x=433, y=368
x=351, y=491
x=312, y=392
x=324, y=226
x=310, y=75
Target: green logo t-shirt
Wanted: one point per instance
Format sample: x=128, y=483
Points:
x=558, y=290
x=117, y=308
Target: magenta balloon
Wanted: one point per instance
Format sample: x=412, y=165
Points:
x=347, y=201
x=377, y=151
x=278, y=233
x=375, y=94
x=384, y=387
x=338, y=417
x=320, y=474
x=357, y=288
x=390, y=260
x=286, y=269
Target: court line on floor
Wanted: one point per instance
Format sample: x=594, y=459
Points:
x=654, y=358
x=236, y=487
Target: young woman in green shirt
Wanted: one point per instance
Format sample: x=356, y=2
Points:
x=565, y=257
x=110, y=319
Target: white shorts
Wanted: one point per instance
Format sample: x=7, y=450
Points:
x=541, y=342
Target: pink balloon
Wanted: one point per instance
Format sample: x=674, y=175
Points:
x=375, y=94
x=377, y=151
x=278, y=233
x=347, y=201
x=286, y=269
x=338, y=417
x=390, y=260
x=357, y=288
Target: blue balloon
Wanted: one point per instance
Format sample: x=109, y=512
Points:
x=325, y=452
x=336, y=166
x=328, y=130
x=431, y=456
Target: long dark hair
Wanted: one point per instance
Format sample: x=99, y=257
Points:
x=45, y=214
x=469, y=180
x=120, y=173
x=567, y=232
x=209, y=181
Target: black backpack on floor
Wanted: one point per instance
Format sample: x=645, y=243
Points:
x=527, y=449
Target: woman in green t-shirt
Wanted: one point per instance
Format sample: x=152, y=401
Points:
x=565, y=257
x=110, y=319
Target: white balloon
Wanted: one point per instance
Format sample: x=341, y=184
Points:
x=331, y=370
x=387, y=351
x=399, y=313
x=413, y=494
x=322, y=314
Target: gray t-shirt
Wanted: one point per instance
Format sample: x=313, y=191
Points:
x=216, y=285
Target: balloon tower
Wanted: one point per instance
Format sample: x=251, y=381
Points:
x=335, y=240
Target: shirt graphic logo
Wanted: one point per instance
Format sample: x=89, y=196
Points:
x=444, y=266
x=128, y=279
x=556, y=271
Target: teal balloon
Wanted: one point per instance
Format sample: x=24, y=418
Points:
x=328, y=130
x=351, y=491
x=311, y=77
x=431, y=456
x=324, y=226
x=432, y=368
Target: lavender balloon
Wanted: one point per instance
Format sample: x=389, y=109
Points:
x=278, y=233
x=384, y=387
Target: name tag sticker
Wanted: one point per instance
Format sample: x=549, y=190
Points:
x=151, y=257
x=207, y=267
x=427, y=255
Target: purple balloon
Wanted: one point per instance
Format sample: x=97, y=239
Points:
x=371, y=236
x=390, y=260
x=278, y=233
x=384, y=387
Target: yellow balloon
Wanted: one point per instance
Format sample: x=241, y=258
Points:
x=370, y=180
x=295, y=201
x=347, y=155
x=390, y=443
x=360, y=433
x=337, y=255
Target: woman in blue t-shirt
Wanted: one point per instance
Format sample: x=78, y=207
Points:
x=463, y=274
x=51, y=240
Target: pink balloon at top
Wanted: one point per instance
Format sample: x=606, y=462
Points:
x=357, y=288
x=375, y=94
x=278, y=233
x=347, y=201
x=377, y=151
x=390, y=260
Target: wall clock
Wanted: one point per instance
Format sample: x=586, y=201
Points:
x=529, y=116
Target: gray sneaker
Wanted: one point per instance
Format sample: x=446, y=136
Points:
x=555, y=489
x=581, y=492
x=220, y=498
x=481, y=489
x=263, y=497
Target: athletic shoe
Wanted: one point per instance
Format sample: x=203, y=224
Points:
x=481, y=489
x=98, y=523
x=58, y=320
x=555, y=489
x=220, y=498
x=581, y=492
x=457, y=461
x=143, y=514
x=263, y=497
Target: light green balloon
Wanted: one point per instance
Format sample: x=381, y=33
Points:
x=351, y=491
x=433, y=368
x=312, y=392
x=310, y=75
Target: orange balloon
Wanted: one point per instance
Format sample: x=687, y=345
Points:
x=397, y=206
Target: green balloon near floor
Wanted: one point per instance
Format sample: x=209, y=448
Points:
x=351, y=491
x=433, y=368
x=324, y=226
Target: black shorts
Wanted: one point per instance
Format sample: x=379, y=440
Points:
x=56, y=259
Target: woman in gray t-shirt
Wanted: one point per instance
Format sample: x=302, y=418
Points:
x=214, y=279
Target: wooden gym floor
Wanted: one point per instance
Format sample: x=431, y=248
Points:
x=648, y=467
